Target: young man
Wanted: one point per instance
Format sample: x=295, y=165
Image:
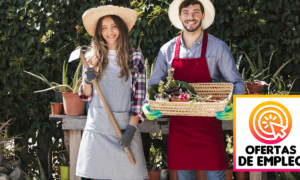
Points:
x=195, y=143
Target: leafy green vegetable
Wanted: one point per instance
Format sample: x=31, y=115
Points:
x=151, y=92
x=190, y=87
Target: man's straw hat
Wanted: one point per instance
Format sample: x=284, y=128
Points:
x=91, y=17
x=209, y=10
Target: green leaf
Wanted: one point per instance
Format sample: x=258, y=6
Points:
x=260, y=63
x=14, y=81
x=250, y=63
x=279, y=70
x=144, y=23
x=30, y=39
x=8, y=99
x=23, y=44
x=228, y=32
x=136, y=32
x=284, y=16
x=290, y=24
x=38, y=125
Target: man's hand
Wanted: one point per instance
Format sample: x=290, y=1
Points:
x=151, y=114
x=89, y=75
x=227, y=114
x=125, y=140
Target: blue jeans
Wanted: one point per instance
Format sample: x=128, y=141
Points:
x=191, y=175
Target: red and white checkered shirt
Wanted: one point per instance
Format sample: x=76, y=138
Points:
x=138, y=90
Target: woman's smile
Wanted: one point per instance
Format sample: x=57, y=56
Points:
x=110, y=32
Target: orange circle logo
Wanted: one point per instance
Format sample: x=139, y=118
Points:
x=270, y=122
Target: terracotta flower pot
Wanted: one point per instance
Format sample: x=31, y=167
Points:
x=153, y=175
x=173, y=175
x=179, y=100
x=56, y=108
x=253, y=88
x=241, y=175
x=73, y=105
x=229, y=174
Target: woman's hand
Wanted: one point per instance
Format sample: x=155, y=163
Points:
x=125, y=140
x=89, y=75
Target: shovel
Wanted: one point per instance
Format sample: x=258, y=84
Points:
x=95, y=84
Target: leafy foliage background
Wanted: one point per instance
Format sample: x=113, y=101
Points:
x=38, y=36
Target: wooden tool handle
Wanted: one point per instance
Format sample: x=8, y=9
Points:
x=111, y=116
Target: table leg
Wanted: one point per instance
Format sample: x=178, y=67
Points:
x=67, y=140
x=75, y=138
x=258, y=175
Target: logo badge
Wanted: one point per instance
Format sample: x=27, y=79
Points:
x=270, y=122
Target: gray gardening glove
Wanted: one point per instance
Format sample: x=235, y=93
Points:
x=126, y=138
x=89, y=75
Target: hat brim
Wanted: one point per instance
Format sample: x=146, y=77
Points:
x=91, y=17
x=209, y=10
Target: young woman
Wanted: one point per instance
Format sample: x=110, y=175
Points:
x=120, y=73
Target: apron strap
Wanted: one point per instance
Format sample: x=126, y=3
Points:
x=177, y=47
x=204, y=45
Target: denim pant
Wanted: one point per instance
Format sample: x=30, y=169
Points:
x=191, y=175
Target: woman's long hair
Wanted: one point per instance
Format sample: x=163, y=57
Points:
x=99, y=51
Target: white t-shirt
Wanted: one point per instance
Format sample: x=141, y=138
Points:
x=112, y=61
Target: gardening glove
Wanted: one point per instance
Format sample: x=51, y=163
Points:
x=89, y=75
x=227, y=114
x=151, y=114
x=126, y=138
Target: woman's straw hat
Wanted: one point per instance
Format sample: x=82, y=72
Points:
x=91, y=17
x=209, y=10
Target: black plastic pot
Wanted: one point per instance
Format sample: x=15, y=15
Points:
x=173, y=90
x=58, y=97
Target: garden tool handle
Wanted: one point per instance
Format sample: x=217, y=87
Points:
x=111, y=116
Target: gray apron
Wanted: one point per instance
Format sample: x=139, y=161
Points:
x=100, y=156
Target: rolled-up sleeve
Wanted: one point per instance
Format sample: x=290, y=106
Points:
x=139, y=87
x=80, y=90
x=228, y=69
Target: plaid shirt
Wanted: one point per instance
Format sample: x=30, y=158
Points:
x=138, y=90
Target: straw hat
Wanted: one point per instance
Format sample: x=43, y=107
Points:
x=209, y=10
x=91, y=17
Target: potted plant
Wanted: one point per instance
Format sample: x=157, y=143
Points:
x=56, y=87
x=73, y=105
x=57, y=106
x=280, y=87
x=253, y=85
x=180, y=96
x=7, y=146
x=166, y=88
x=64, y=166
x=153, y=165
x=161, y=96
x=164, y=173
x=258, y=80
x=42, y=175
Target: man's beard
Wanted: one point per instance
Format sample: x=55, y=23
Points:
x=192, y=30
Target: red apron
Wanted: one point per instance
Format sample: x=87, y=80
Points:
x=195, y=143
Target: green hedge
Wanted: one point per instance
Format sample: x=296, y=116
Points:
x=38, y=36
